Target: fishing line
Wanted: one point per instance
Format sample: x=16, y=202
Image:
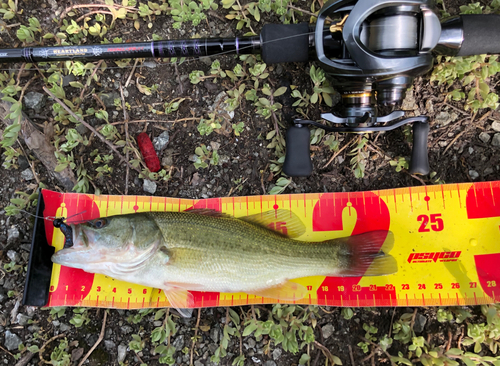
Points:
x=53, y=218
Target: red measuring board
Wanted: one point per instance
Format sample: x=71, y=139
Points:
x=446, y=245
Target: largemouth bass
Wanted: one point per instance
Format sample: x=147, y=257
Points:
x=204, y=250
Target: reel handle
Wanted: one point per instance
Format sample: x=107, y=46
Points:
x=298, y=158
x=419, y=163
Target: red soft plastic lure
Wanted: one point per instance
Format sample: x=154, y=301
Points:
x=148, y=152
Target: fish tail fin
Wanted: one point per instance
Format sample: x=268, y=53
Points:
x=366, y=254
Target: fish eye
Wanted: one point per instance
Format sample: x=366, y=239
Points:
x=99, y=223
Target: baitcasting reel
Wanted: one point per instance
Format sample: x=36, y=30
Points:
x=371, y=51
x=372, y=57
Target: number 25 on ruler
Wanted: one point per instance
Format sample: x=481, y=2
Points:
x=437, y=223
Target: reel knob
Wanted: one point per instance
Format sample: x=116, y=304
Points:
x=298, y=157
x=419, y=163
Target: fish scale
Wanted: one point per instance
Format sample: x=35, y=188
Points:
x=446, y=245
x=199, y=250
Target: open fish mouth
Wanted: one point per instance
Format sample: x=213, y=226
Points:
x=76, y=252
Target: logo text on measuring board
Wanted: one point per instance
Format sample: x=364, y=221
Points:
x=434, y=257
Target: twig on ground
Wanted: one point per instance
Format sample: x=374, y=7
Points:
x=101, y=337
x=336, y=154
x=325, y=351
x=68, y=9
x=92, y=13
x=369, y=356
x=392, y=321
x=453, y=141
x=88, y=83
x=412, y=322
x=377, y=346
x=195, y=337
x=351, y=355
x=21, y=69
x=417, y=178
x=40, y=351
x=138, y=357
x=111, y=146
x=131, y=73
x=244, y=16
x=25, y=359
x=181, y=89
x=127, y=139
x=457, y=109
x=98, y=100
x=450, y=338
x=302, y=10
x=459, y=342
x=23, y=90
x=3, y=349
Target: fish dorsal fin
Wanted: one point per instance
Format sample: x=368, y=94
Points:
x=207, y=212
x=288, y=291
x=282, y=221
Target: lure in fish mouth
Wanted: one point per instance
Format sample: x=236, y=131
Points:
x=204, y=250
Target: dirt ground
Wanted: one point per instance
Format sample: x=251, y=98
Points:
x=456, y=154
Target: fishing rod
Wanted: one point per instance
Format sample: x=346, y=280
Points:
x=371, y=51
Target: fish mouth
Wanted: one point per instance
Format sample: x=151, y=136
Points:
x=79, y=254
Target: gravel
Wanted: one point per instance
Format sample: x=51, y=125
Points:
x=473, y=174
x=149, y=186
x=34, y=100
x=484, y=137
x=496, y=140
x=178, y=342
x=420, y=321
x=277, y=353
x=327, y=331
x=12, y=341
x=27, y=174
x=13, y=256
x=122, y=353
x=12, y=234
x=160, y=142
x=496, y=126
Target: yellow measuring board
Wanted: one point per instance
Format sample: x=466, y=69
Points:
x=447, y=245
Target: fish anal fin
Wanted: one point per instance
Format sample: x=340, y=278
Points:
x=282, y=221
x=288, y=291
x=180, y=299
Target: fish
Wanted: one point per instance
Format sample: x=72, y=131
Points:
x=205, y=250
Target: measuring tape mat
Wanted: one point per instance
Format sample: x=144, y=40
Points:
x=447, y=245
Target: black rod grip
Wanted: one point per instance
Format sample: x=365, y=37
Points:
x=285, y=43
x=481, y=34
x=419, y=163
x=297, y=159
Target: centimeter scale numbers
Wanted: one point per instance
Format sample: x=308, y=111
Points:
x=445, y=244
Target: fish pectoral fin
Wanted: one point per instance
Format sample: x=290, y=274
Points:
x=288, y=291
x=280, y=220
x=180, y=299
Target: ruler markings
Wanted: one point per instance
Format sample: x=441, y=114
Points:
x=459, y=197
x=106, y=204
